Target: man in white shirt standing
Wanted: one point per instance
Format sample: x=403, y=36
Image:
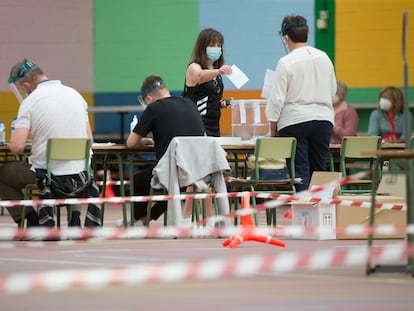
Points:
x=300, y=104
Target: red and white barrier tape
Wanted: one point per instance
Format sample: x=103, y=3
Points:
x=203, y=270
x=112, y=182
x=300, y=196
x=279, y=199
x=113, y=233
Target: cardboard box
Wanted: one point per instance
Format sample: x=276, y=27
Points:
x=393, y=184
x=323, y=216
x=352, y=215
x=308, y=215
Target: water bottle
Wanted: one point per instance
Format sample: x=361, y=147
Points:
x=13, y=124
x=2, y=133
x=133, y=123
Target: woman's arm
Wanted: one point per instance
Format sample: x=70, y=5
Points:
x=196, y=75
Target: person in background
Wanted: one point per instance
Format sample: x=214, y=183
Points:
x=166, y=117
x=50, y=109
x=203, y=81
x=388, y=120
x=346, y=117
x=300, y=104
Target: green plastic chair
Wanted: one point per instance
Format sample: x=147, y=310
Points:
x=354, y=159
x=269, y=149
x=62, y=149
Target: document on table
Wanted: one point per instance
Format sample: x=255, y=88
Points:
x=237, y=77
x=103, y=144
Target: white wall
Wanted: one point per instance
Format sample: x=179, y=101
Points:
x=55, y=34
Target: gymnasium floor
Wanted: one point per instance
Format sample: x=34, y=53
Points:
x=329, y=287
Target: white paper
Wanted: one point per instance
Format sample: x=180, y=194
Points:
x=256, y=113
x=242, y=112
x=237, y=77
x=268, y=82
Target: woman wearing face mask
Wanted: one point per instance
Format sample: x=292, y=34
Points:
x=203, y=82
x=346, y=117
x=388, y=120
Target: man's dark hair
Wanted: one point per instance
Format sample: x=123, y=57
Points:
x=149, y=82
x=295, y=27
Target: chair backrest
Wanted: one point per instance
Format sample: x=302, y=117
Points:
x=353, y=147
x=276, y=149
x=68, y=149
x=195, y=158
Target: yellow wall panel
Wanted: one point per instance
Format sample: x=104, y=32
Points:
x=368, y=41
x=9, y=107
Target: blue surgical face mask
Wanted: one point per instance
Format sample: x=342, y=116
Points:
x=213, y=53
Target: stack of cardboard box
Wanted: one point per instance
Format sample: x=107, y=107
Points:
x=329, y=216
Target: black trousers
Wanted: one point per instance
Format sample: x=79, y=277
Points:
x=142, y=187
x=63, y=187
x=312, y=148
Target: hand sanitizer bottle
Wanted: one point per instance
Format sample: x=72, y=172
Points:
x=2, y=133
x=13, y=123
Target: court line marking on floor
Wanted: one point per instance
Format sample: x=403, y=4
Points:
x=57, y=262
x=130, y=258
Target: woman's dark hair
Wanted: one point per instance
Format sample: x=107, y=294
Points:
x=205, y=38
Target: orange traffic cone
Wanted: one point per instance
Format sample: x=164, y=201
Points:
x=246, y=220
x=288, y=213
x=109, y=191
x=247, y=234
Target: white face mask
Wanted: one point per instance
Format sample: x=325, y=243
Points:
x=385, y=104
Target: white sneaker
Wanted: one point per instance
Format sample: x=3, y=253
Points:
x=186, y=222
x=210, y=224
x=120, y=223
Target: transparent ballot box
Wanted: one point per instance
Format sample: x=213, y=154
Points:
x=249, y=118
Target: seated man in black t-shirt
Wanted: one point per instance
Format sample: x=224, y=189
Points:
x=166, y=117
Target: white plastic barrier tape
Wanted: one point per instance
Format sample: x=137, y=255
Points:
x=279, y=199
x=203, y=270
x=11, y=203
x=112, y=182
x=113, y=233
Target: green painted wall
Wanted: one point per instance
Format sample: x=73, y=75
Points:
x=134, y=39
x=325, y=38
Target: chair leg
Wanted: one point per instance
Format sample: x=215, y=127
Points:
x=22, y=217
x=149, y=205
x=196, y=211
x=56, y=210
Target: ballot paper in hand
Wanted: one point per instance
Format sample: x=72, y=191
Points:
x=268, y=82
x=237, y=77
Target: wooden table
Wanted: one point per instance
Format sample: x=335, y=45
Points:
x=123, y=155
x=121, y=110
x=335, y=152
x=384, y=155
